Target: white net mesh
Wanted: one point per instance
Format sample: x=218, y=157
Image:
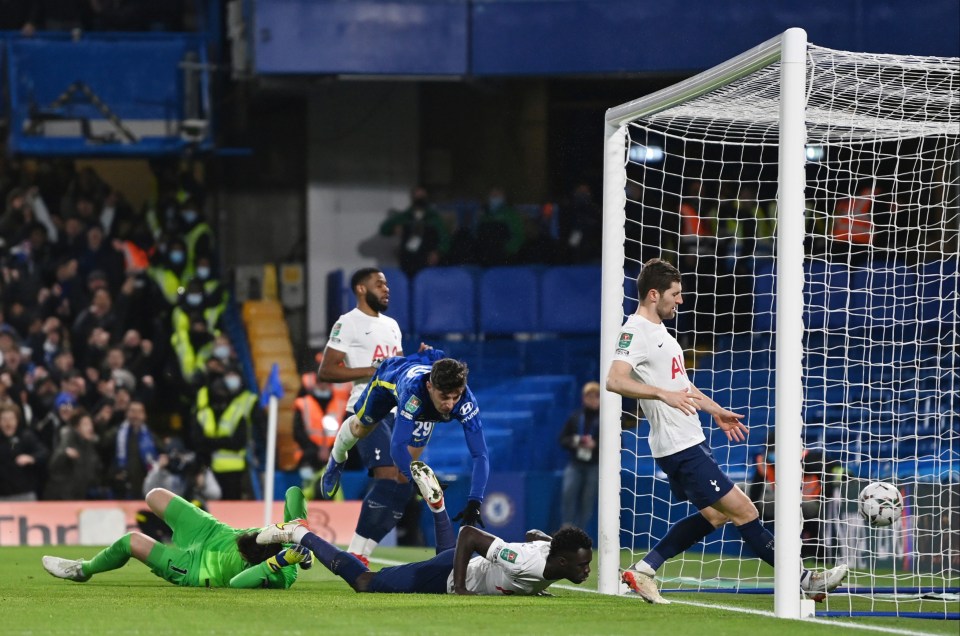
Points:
x=881, y=343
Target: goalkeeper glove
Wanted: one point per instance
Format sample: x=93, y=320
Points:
x=470, y=514
x=286, y=557
x=307, y=562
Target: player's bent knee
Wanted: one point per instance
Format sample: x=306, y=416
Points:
x=158, y=499
x=359, y=430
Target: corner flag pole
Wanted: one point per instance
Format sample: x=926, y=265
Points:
x=270, y=396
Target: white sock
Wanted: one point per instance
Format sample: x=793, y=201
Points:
x=299, y=533
x=369, y=547
x=644, y=568
x=344, y=442
x=356, y=544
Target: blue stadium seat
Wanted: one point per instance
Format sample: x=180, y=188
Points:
x=764, y=277
x=939, y=297
x=570, y=299
x=815, y=297
x=509, y=300
x=885, y=293
x=444, y=301
x=399, y=308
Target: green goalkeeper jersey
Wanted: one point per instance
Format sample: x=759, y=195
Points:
x=220, y=565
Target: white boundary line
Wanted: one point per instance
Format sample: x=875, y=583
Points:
x=756, y=612
x=730, y=608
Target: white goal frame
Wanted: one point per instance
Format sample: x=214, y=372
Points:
x=789, y=49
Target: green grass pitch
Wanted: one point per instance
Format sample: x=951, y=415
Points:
x=133, y=601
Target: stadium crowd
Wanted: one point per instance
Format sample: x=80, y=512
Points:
x=117, y=374
x=115, y=367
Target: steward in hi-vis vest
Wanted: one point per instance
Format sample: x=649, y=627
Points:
x=224, y=417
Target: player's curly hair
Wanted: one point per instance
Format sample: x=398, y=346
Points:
x=448, y=375
x=254, y=553
x=569, y=539
x=657, y=274
x=361, y=275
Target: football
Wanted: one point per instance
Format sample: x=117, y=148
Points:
x=880, y=504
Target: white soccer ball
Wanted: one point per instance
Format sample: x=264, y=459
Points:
x=880, y=504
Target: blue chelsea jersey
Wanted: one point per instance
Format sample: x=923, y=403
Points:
x=417, y=416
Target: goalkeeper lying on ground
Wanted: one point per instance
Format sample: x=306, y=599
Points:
x=204, y=552
x=500, y=569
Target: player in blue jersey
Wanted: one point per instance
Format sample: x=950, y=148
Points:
x=427, y=388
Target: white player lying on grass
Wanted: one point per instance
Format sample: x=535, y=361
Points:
x=648, y=366
x=500, y=569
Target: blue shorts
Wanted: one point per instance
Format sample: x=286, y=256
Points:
x=424, y=577
x=695, y=476
x=374, y=449
x=374, y=403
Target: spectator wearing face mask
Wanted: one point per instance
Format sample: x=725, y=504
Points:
x=423, y=236
x=193, y=345
x=318, y=414
x=195, y=304
x=222, y=357
x=197, y=234
x=213, y=288
x=170, y=273
x=223, y=428
x=500, y=231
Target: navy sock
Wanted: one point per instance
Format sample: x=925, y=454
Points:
x=383, y=508
x=446, y=537
x=681, y=536
x=343, y=564
x=759, y=539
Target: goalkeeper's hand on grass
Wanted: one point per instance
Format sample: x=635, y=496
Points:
x=471, y=514
x=289, y=556
x=307, y=562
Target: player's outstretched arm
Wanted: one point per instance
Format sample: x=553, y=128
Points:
x=621, y=382
x=279, y=571
x=470, y=541
x=332, y=368
x=728, y=421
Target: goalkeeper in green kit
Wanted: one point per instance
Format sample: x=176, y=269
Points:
x=204, y=552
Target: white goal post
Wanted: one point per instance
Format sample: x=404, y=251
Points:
x=754, y=129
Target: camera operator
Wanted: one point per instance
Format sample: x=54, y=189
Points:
x=179, y=471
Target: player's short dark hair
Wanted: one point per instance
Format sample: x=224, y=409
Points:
x=448, y=375
x=657, y=274
x=254, y=553
x=361, y=275
x=569, y=539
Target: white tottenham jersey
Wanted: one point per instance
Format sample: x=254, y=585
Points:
x=508, y=569
x=365, y=340
x=657, y=360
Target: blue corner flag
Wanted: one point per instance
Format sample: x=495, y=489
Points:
x=272, y=386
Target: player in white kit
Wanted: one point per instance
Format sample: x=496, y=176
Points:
x=360, y=340
x=648, y=366
x=473, y=562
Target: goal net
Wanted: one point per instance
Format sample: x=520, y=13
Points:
x=835, y=200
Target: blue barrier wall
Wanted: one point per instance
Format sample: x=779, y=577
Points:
x=561, y=37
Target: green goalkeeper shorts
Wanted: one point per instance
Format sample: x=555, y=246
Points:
x=179, y=563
